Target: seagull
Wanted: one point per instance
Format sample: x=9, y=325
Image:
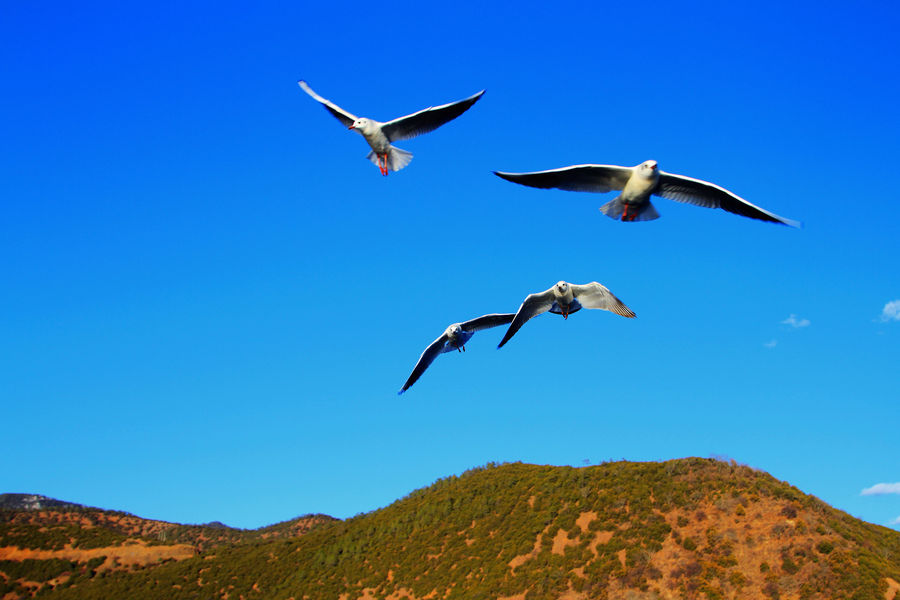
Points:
x=564, y=299
x=380, y=135
x=454, y=338
x=637, y=184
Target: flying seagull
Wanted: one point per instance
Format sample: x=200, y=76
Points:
x=565, y=299
x=454, y=338
x=380, y=135
x=637, y=184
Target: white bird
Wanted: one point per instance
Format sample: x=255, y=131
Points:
x=637, y=184
x=454, y=338
x=380, y=135
x=565, y=299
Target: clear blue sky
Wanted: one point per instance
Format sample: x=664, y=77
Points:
x=209, y=298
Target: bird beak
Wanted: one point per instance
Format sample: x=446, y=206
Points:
x=351, y=127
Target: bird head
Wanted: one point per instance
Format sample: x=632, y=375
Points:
x=648, y=169
x=562, y=287
x=361, y=124
x=454, y=330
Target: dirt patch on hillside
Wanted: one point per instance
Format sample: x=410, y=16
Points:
x=893, y=589
x=522, y=558
x=584, y=520
x=572, y=594
x=561, y=542
x=750, y=545
x=601, y=537
x=137, y=554
x=402, y=594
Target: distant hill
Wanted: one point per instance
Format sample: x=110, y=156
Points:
x=47, y=543
x=689, y=528
x=32, y=502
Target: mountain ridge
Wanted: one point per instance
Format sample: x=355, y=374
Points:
x=686, y=528
x=16, y=501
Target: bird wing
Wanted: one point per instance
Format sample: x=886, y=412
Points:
x=487, y=321
x=425, y=360
x=702, y=193
x=342, y=115
x=426, y=120
x=594, y=295
x=533, y=305
x=577, y=178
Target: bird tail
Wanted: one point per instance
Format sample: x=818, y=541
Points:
x=396, y=158
x=618, y=210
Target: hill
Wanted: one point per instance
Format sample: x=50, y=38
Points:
x=46, y=543
x=32, y=502
x=690, y=528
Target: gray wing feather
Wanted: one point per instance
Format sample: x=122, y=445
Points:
x=709, y=195
x=488, y=321
x=533, y=305
x=577, y=178
x=425, y=361
x=426, y=120
x=595, y=295
x=340, y=114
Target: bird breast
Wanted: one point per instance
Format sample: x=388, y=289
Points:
x=376, y=138
x=564, y=299
x=639, y=188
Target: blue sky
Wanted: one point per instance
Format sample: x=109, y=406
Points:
x=209, y=298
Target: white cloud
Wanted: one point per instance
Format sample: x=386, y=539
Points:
x=894, y=521
x=771, y=344
x=794, y=322
x=891, y=311
x=881, y=488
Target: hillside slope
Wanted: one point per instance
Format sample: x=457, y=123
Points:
x=690, y=528
x=47, y=543
x=32, y=502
